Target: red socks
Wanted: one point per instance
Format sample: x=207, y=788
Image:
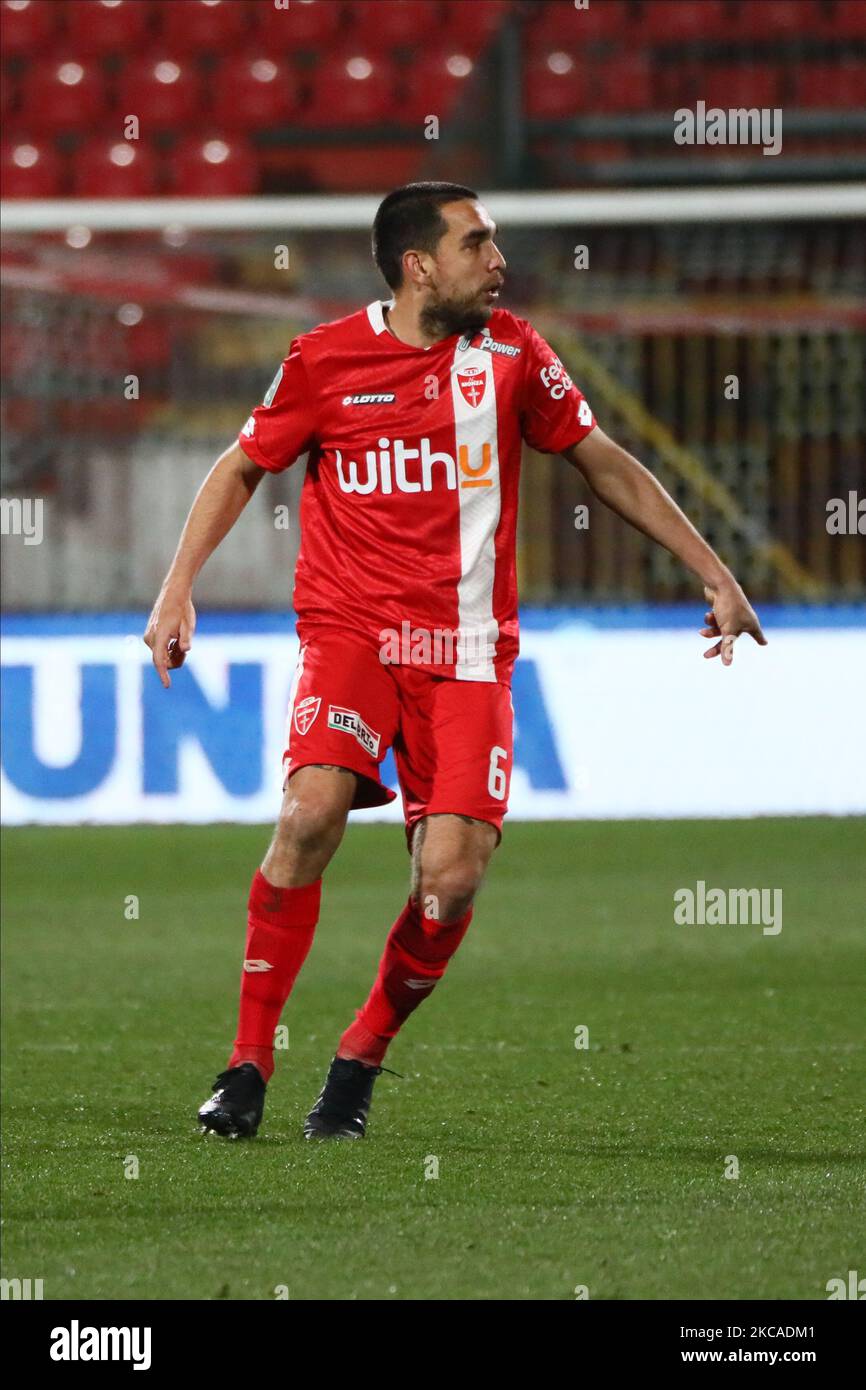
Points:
x=280, y=929
x=414, y=960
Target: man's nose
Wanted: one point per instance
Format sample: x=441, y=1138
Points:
x=498, y=261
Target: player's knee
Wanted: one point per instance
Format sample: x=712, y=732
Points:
x=447, y=890
x=310, y=821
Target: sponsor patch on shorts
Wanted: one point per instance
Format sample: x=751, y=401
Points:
x=350, y=722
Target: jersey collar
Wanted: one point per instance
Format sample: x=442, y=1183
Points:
x=376, y=316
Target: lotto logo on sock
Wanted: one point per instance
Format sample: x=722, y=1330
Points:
x=350, y=721
x=256, y=967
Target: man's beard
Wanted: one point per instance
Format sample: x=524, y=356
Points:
x=442, y=317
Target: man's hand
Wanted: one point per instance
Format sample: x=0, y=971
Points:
x=169, y=631
x=730, y=614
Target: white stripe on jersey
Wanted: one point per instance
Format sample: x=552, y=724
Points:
x=474, y=427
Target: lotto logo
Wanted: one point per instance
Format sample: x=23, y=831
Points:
x=371, y=398
x=349, y=721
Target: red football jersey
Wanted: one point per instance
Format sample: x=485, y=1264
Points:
x=409, y=504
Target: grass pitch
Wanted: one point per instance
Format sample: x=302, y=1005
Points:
x=558, y=1166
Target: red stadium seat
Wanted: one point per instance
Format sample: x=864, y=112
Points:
x=115, y=169
x=27, y=26
x=741, y=85
x=214, y=166
x=774, y=19
x=682, y=21
x=63, y=93
x=560, y=24
x=438, y=80
x=353, y=88
x=555, y=84
x=196, y=25
x=847, y=19
x=163, y=90
x=304, y=24
x=352, y=169
x=624, y=83
x=473, y=24
x=253, y=91
x=8, y=94
x=31, y=168
x=103, y=27
x=832, y=85
x=399, y=22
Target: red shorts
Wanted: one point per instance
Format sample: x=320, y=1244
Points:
x=452, y=740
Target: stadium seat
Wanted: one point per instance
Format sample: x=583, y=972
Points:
x=162, y=89
x=63, y=93
x=115, y=169
x=683, y=21
x=201, y=25
x=106, y=27
x=305, y=24
x=352, y=169
x=398, y=23
x=847, y=19
x=774, y=19
x=27, y=26
x=8, y=94
x=252, y=91
x=353, y=88
x=624, y=83
x=31, y=168
x=738, y=85
x=558, y=23
x=438, y=80
x=216, y=165
x=472, y=24
x=555, y=84
x=832, y=84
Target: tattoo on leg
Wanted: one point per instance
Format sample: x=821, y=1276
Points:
x=417, y=842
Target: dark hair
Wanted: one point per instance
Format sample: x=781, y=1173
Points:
x=409, y=219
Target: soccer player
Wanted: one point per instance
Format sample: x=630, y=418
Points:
x=411, y=413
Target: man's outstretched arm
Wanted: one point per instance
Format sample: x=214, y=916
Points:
x=631, y=491
x=221, y=499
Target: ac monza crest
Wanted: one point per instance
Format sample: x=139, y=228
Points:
x=473, y=383
x=305, y=713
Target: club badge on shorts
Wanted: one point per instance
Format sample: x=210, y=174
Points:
x=305, y=713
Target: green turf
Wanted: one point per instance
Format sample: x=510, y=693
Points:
x=558, y=1167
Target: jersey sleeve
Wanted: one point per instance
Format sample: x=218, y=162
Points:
x=283, y=426
x=555, y=413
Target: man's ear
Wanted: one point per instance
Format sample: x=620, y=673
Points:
x=414, y=269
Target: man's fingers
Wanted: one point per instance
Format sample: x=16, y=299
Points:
x=727, y=645
x=176, y=653
x=758, y=635
x=160, y=660
x=713, y=651
x=185, y=635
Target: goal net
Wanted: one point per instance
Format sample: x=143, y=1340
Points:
x=719, y=337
